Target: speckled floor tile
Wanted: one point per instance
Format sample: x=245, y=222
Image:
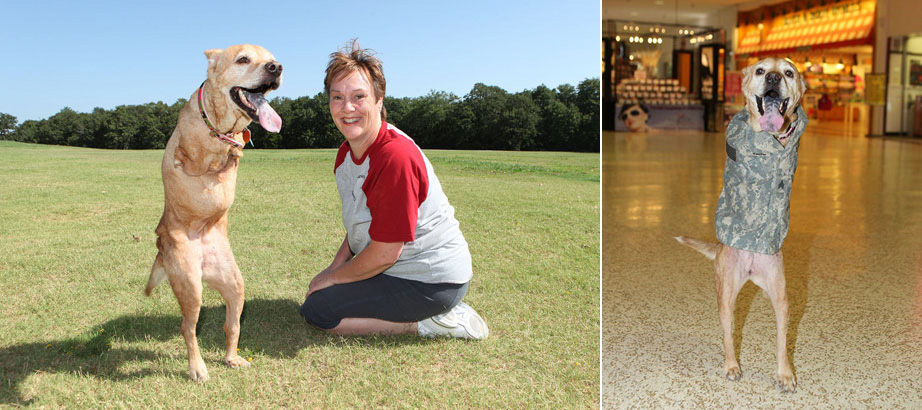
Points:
x=853, y=262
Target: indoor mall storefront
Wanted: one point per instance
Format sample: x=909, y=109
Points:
x=673, y=77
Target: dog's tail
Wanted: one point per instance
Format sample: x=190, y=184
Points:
x=708, y=249
x=157, y=274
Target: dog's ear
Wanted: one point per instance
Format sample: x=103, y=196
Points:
x=748, y=71
x=747, y=78
x=213, y=55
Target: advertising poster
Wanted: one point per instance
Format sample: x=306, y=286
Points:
x=652, y=118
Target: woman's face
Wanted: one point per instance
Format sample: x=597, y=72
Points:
x=355, y=109
x=634, y=118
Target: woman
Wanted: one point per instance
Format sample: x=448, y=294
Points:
x=635, y=117
x=404, y=265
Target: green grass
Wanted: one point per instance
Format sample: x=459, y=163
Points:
x=77, y=242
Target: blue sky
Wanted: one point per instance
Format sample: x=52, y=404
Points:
x=87, y=54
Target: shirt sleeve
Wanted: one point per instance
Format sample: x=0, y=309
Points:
x=397, y=184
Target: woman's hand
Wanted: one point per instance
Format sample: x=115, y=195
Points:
x=374, y=259
x=323, y=280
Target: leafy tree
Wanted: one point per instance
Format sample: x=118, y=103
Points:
x=558, y=122
x=426, y=119
x=588, y=103
x=486, y=104
x=26, y=132
x=518, y=127
x=7, y=125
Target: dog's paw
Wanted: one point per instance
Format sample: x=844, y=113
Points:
x=733, y=373
x=236, y=362
x=198, y=372
x=787, y=383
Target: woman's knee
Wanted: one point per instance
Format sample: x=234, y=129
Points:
x=313, y=313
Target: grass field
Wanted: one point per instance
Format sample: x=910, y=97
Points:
x=77, y=243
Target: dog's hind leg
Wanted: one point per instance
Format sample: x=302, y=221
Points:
x=232, y=291
x=770, y=277
x=730, y=278
x=221, y=273
x=183, y=262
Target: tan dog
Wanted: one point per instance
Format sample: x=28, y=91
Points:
x=753, y=210
x=199, y=172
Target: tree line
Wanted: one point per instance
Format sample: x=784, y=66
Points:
x=565, y=118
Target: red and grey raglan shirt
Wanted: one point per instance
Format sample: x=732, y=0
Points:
x=391, y=194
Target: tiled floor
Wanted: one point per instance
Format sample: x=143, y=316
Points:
x=853, y=260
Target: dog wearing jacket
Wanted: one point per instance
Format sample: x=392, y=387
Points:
x=754, y=206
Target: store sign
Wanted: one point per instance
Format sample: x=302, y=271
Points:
x=875, y=92
x=841, y=24
x=734, y=83
x=734, y=90
x=835, y=11
x=915, y=73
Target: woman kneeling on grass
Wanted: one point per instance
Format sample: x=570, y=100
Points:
x=404, y=265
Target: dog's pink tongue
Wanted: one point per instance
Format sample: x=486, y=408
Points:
x=771, y=121
x=268, y=118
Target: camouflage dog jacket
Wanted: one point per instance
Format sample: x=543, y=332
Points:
x=754, y=206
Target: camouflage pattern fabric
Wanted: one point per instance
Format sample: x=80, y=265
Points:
x=754, y=206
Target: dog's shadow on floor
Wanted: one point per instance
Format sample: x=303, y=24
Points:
x=797, y=277
x=270, y=327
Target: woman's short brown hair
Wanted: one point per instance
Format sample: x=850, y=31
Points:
x=353, y=58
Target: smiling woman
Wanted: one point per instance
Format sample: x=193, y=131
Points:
x=404, y=265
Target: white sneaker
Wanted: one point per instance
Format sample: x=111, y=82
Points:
x=461, y=321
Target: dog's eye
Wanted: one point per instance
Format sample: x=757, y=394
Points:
x=789, y=73
x=760, y=71
x=243, y=60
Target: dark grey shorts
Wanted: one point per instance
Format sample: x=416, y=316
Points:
x=381, y=297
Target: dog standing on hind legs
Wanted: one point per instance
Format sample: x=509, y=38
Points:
x=754, y=206
x=199, y=172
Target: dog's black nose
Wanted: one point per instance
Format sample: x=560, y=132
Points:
x=773, y=78
x=274, y=67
